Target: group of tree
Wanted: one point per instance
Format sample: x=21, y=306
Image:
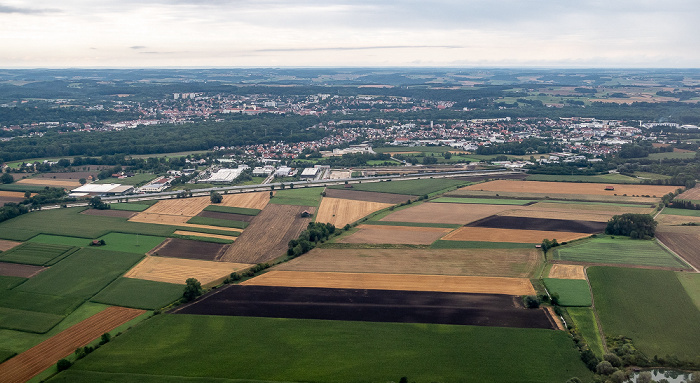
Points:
x=315, y=232
x=635, y=226
x=97, y=203
x=215, y=197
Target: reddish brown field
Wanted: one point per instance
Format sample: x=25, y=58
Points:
x=341, y=212
x=519, y=263
x=110, y=213
x=570, y=188
x=266, y=238
x=30, y=363
x=367, y=196
x=198, y=234
x=176, y=270
x=487, y=234
x=454, y=213
x=562, y=271
x=7, y=245
x=690, y=194
x=683, y=240
x=17, y=270
x=443, y=283
x=189, y=249
x=407, y=235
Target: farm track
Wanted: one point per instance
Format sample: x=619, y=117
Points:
x=42, y=356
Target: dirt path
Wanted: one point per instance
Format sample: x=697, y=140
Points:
x=42, y=356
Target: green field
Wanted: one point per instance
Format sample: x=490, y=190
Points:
x=129, y=206
x=139, y=294
x=7, y=282
x=137, y=179
x=29, y=321
x=618, y=250
x=440, y=244
x=232, y=210
x=44, y=303
x=408, y=187
x=335, y=351
x=5, y=355
x=218, y=222
x=70, y=222
x=413, y=224
x=60, y=240
x=572, y=292
x=585, y=323
x=487, y=201
x=129, y=243
x=684, y=212
x=298, y=196
x=605, y=178
x=36, y=253
x=21, y=187
x=82, y=274
x=649, y=306
x=691, y=283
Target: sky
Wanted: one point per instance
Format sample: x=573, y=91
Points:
x=345, y=33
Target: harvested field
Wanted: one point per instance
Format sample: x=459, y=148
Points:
x=257, y=200
x=442, y=283
x=7, y=245
x=198, y=234
x=675, y=220
x=226, y=216
x=174, y=220
x=487, y=234
x=549, y=188
x=42, y=356
x=56, y=183
x=690, y=194
x=369, y=305
x=341, y=212
x=266, y=238
x=540, y=224
x=456, y=213
x=557, y=214
x=176, y=270
x=592, y=207
x=683, y=240
x=185, y=248
x=180, y=206
x=13, y=194
x=408, y=235
x=110, y=213
x=360, y=195
x=4, y=200
x=519, y=263
x=19, y=270
x=562, y=271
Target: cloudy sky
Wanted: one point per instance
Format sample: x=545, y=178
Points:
x=349, y=33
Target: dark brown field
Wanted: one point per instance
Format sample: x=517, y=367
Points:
x=17, y=270
x=370, y=305
x=266, y=238
x=683, y=240
x=359, y=195
x=226, y=216
x=110, y=213
x=527, y=223
x=185, y=248
x=4, y=200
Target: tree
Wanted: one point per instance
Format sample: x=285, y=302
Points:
x=644, y=377
x=27, y=194
x=531, y=301
x=605, y=368
x=193, y=289
x=7, y=178
x=96, y=203
x=636, y=226
x=63, y=364
x=215, y=197
x=82, y=181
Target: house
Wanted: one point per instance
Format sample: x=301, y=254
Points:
x=609, y=188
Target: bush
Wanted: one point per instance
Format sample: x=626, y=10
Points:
x=193, y=289
x=531, y=301
x=63, y=364
x=605, y=368
x=215, y=197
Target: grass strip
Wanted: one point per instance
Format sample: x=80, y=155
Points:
x=683, y=212
x=139, y=294
x=584, y=321
x=232, y=210
x=218, y=222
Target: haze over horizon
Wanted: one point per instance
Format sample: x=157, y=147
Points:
x=312, y=33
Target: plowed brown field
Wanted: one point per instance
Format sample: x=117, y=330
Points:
x=340, y=212
x=266, y=238
x=683, y=240
x=561, y=271
x=198, y=234
x=487, y=234
x=690, y=194
x=256, y=200
x=407, y=235
x=444, y=283
x=454, y=213
x=7, y=245
x=519, y=263
x=50, y=182
x=570, y=188
x=176, y=270
x=42, y=356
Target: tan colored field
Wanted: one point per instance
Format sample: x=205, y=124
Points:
x=566, y=197
x=340, y=212
x=690, y=194
x=487, y=234
x=444, y=283
x=591, y=208
x=177, y=270
x=256, y=200
x=198, y=234
x=12, y=194
x=30, y=363
x=572, y=211
x=7, y=245
x=556, y=214
x=395, y=235
x=179, y=206
x=562, y=271
x=672, y=220
x=454, y=213
x=519, y=263
x=50, y=182
x=570, y=188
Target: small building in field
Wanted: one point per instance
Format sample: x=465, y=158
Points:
x=609, y=187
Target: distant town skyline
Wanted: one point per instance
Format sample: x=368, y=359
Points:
x=362, y=33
